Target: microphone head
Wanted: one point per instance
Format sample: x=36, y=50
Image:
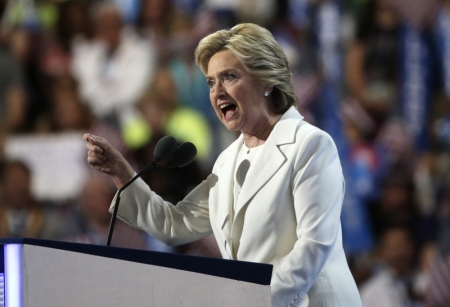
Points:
x=165, y=148
x=184, y=154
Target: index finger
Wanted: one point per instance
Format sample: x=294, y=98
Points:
x=87, y=137
x=97, y=140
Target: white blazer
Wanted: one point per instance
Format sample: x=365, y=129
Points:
x=287, y=215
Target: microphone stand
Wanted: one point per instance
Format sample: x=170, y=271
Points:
x=152, y=167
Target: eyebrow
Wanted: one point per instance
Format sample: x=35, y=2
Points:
x=223, y=72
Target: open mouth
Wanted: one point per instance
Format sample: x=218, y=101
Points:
x=227, y=109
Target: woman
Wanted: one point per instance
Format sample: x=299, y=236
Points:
x=274, y=196
x=372, y=70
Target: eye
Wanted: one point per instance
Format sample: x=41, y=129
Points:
x=210, y=83
x=230, y=77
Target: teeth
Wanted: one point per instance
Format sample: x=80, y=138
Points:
x=224, y=105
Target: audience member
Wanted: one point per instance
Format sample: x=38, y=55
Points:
x=153, y=24
x=114, y=68
x=68, y=113
x=258, y=11
x=22, y=215
x=72, y=28
x=163, y=115
x=25, y=46
x=395, y=204
x=190, y=85
x=392, y=285
x=93, y=205
x=11, y=77
x=417, y=13
x=372, y=66
x=13, y=105
x=395, y=138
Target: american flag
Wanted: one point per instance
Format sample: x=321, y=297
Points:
x=438, y=292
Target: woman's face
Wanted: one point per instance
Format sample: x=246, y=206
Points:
x=67, y=111
x=236, y=96
x=17, y=187
x=385, y=15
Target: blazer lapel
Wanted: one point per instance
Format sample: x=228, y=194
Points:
x=225, y=172
x=265, y=165
x=263, y=168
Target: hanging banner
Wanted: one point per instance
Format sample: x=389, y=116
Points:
x=299, y=13
x=328, y=37
x=328, y=18
x=331, y=120
x=443, y=39
x=359, y=178
x=415, y=83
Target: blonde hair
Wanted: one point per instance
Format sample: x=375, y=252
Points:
x=260, y=54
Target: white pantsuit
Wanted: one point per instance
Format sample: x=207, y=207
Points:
x=287, y=214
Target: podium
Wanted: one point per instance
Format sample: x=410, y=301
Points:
x=35, y=273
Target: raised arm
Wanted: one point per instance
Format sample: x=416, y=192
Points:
x=144, y=209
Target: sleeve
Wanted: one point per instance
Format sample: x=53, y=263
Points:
x=317, y=186
x=188, y=221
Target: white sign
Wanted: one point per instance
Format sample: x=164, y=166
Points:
x=57, y=163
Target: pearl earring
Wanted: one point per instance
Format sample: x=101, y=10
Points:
x=266, y=93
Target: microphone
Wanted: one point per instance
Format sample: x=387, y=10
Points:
x=165, y=148
x=167, y=155
x=184, y=154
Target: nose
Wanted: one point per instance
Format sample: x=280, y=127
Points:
x=218, y=90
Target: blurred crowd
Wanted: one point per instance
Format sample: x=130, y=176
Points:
x=374, y=74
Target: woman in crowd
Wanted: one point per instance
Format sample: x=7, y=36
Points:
x=274, y=195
